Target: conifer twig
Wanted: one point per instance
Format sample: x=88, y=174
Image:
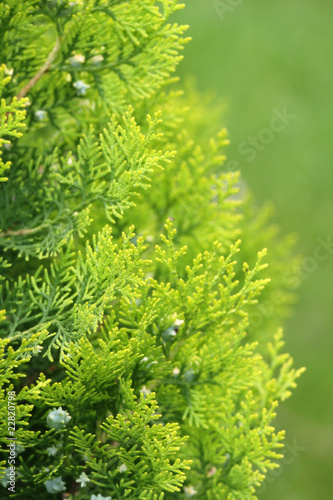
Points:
x=52, y=55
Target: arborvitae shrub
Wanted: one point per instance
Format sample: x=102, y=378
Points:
x=132, y=268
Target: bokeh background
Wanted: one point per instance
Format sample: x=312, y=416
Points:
x=265, y=58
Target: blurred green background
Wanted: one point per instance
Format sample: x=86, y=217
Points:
x=262, y=57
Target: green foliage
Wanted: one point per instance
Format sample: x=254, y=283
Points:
x=106, y=171
x=11, y=119
x=126, y=297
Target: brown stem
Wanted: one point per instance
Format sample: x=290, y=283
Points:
x=52, y=55
x=21, y=232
